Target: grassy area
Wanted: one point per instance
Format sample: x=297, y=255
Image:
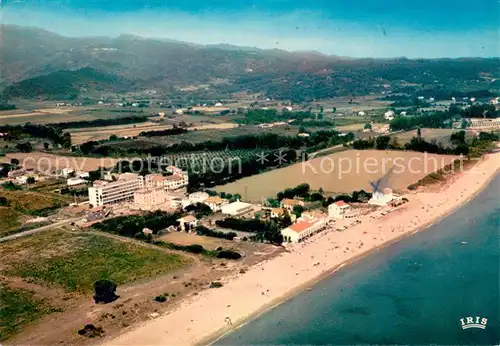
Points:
x=17, y=308
x=76, y=261
x=10, y=220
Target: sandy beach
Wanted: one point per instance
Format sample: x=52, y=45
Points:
x=203, y=318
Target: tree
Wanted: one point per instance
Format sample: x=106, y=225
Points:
x=367, y=126
x=104, y=291
x=419, y=132
x=297, y=210
x=3, y=201
x=46, y=145
x=25, y=147
x=14, y=162
x=458, y=137
x=382, y=142
x=113, y=137
x=30, y=180
x=334, y=110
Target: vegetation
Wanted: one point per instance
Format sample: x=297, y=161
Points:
x=160, y=133
x=19, y=307
x=6, y=106
x=76, y=262
x=28, y=130
x=132, y=226
x=265, y=231
x=199, y=250
x=200, y=210
x=202, y=230
x=104, y=291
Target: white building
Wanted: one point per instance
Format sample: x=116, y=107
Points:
x=188, y=223
x=215, y=203
x=361, y=113
x=195, y=197
x=403, y=113
x=381, y=198
x=75, y=181
x=340, y=210
x=22, y=180
x=105, y=192
x=302, y=229
x=389, y=115
x=236, y=208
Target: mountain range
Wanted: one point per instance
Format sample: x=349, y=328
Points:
x=35, y=63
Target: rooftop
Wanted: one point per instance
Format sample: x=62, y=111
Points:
x=301, y=226
x=342, y=204
x=289, y=201
x=188, y=218
x=215, y=199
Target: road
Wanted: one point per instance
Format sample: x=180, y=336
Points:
x=40, y=229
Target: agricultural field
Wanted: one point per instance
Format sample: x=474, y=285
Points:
x=57, y=115
x=211, y=160
x=82, y=135
x=51, y=271
x=341, y=172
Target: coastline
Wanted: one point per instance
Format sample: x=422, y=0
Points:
x=202, y=319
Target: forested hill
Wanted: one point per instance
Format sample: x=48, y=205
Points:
x=31, y=59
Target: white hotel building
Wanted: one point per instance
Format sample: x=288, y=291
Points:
x=110, y=192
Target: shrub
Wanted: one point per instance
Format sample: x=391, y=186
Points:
x=216, y=284
x=161, y=298
x=104, y=291
x=91, y=331
x=228, y=254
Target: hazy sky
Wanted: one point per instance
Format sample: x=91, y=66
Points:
x=360, y=28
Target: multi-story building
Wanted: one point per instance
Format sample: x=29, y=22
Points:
x=177, y=180
x=120, y=190
x=150, y=198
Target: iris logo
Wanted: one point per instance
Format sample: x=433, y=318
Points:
x=473, y=322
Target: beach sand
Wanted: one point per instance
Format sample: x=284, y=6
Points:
x=205, y=317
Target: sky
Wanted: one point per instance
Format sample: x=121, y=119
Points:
x=357, y=28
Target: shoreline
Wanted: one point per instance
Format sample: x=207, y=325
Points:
x=290, y=295
x=207, y=330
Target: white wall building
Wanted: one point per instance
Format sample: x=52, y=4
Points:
x=215, y=203
x=170, y=182
x=105, y=192
x=340, y=210
x=381, y=198
x=236, y=208
x=187, y=223
x=302, y=229
x=389, y=115
x=75, y=181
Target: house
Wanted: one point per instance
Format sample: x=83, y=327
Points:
x=403, y=113
x=147, y=231
x=389, y=115
x=289, y=204
x=22, y=180
x=215, y=203
x=339, y=210
x=236, y=208
x=175, y=181
x=188, y=223
x=75, y=181
x=195, y=197
x=303, y=134
x=382, y=198
x=302, y=229
x=361, y=113
x=277, y=213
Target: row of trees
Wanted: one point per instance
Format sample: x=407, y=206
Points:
x=50, y=132
x=166, y=132
x=269, y=231
x=132, y=226
x=251, y=141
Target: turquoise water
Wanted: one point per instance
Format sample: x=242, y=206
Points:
x=413, y=292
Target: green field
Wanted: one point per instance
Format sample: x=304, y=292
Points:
x=75, y=261
x=17, y=308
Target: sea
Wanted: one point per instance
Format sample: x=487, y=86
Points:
x=413, y=292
